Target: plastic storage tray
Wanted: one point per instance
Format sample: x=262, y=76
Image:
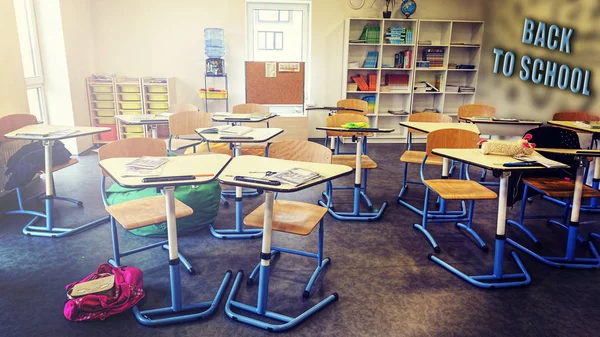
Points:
x=105, y=120
x=105, y=112
x=104, y=97
x=131, y=105
x=213, y=94
x=156, y=88
x=104, y=105
x=158, y=105
x=157, y=111
x=134, y=128
x=131, y=97
x=133, y=135
x=101, y=87
x=130, y=88
x=158, y=97
x=131, y=112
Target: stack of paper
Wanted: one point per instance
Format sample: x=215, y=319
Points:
x=228, y=130
x=295, y=176
x=145, y=167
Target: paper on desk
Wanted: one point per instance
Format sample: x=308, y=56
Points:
x=548, y=163
x=132, y=171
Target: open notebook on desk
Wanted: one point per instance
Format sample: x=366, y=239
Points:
x=57, y=133
x=145, y=167
x=228, y=130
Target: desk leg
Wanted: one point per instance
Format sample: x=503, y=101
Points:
x=355, y=215
x=176, y=312
x=263, y=287
x=498, y=279
x=569, y=260
x=154, y=130
x=239, y=232
x=49, y=230
x=596, y=181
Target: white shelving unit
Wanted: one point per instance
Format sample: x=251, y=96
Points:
x=459, y=39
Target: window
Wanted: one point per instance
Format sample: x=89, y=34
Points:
x=268, y=15
x=30, y=54
x=270, y=40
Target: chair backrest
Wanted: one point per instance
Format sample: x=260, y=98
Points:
x=300, y=150
x=186, y=122
x=250, y=108
x=175, y=108
x=352, y=103
x=575, y=116
x=133, y=147
x=472, y=110
x=451, y=139
x=10, y=123
x=429, y=117
x=338, y=119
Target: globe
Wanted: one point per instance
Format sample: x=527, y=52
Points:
x=408, y=8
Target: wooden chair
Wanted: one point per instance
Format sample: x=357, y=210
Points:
x=452, y=189
x=352, y=103
x=140, y=212
x=349, y=159
x=416, y=157
x=250, y=108
x=340, y=119
x=575, y=116
x=185, y=123
x=13, y=122
x=294, y=217
x=476, y=110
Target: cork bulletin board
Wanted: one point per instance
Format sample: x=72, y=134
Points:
x=287, y=87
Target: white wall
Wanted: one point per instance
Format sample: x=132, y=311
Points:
x=13, y=96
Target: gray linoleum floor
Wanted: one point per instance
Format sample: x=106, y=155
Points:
x=387, y=286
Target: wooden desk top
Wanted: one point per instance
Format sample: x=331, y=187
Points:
x=259, y=135
x=142, y=119
x=428, y=127
x=240, y=118
x=571, y=152
x=574, y=126
x=36, y=132
x=209, y=163
x=355, y=130
x=491, y=162
x=243, y=165
x=491, y=121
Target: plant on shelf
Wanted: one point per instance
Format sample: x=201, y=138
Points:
x=388, y=14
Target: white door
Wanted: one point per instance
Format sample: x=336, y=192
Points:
x=279, y=32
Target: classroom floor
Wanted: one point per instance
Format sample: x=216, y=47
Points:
x=387, y=286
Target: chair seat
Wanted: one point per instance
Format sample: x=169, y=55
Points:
x=254, y=150
x=289, y=217
x=345, y=134
x=350, y=160
x=416, y=157
x=452, y=189
x=71, y=161
x=146, y=211
x=177, y=144
x=559, y=188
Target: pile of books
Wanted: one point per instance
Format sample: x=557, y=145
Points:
x=371, y=60
x=423, y=64
x=399, y=35
x=460, y=66
x=363, y=84
x=466, y=88
x=403, y=59
x=370, y=34
x=435, y=56
x=397, y=82
x=425, y=87
x=294, y=177
x=452, y=87
x=371, y=103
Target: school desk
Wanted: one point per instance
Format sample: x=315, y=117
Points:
x=257, y=135
x=206, y=168
x=503, y=127
x=44, y=134
x=149, y=119
x=498, y=279
x=247, y=166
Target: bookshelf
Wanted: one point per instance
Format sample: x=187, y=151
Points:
x=112, y=96
x=448, y=43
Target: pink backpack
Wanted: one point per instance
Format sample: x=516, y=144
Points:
x=126, y=293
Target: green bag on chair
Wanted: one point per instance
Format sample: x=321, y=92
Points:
x=204, y=199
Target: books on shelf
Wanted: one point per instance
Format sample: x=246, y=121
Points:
x=435, y=56
x=371, y=60
x=398, y=112
x=423, y=64
x=363, y=84
x=425, y=87
x=403, y=59
x=295, y=176
x=228, y=130
x=370, y=34
x=399, y=35
x=372, y=82
x=425, y=42
x=397, y=82
x=461, y=66
x=466, y=88
x=451, y=87
x=371, y=102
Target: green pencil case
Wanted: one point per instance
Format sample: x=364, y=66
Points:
x=356, y=125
